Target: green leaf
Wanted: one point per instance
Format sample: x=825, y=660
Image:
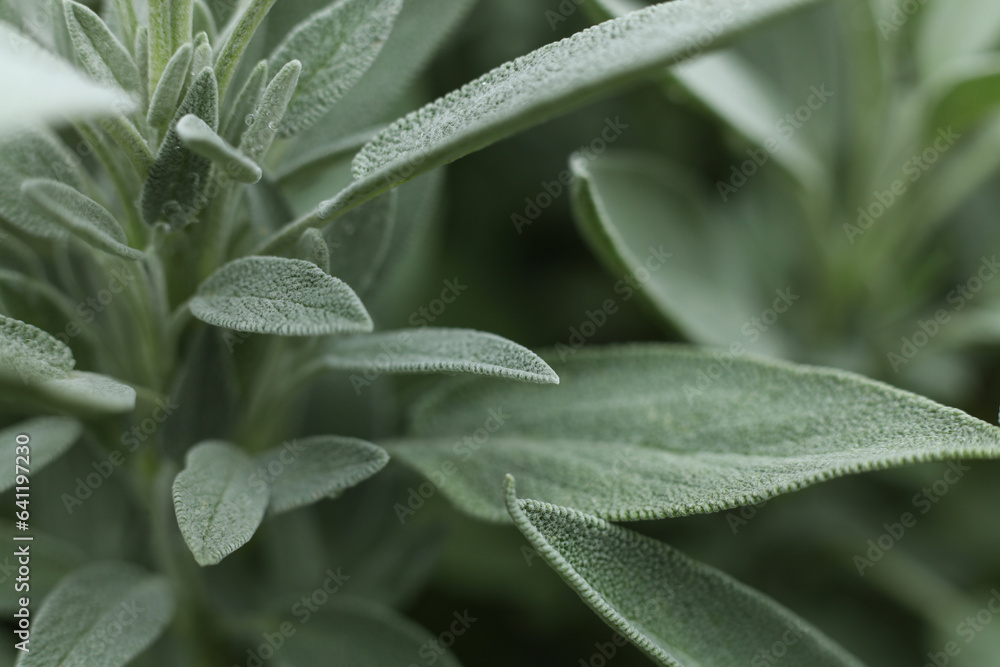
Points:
x=174, y=191
x=353, y=631
x=432, y=350
x=163, y=104
x=336, y=47
x=359, y=241
x=275, y=295
x=39, y=87
x=203, y=55
x=202, y=140
x=33, y=154
x=534, y=88
x=80, y=215
x=964, y=94
x=32, y=354
x=302, y=471
x=103, y=614
x=653, y=431
x=679, y=611
x=241, y=114
x=98, y=50
x=127, y=22
x=181, y=17
x=203, y=21
x=238, y=37
x=960, y=28
x=50, y=437
x=312, y=247
x=262, y=131
x=161, y=39
x=217, y=503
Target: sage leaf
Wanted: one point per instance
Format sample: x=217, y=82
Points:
x=79, y=622
x=637, y=432
x=678, y=611
x=31, y=353
x=305, y=470
x=81, y=216
x=163, y=104
x=275, y=295
x=241, y=114
x=202, y=140
x=434, y=350
x=161, y=39
x=312, y=247
x=965, y=93
x=181, y=17
x=98, y=50
x=963, y=28
x=336, y=47
x=360, y=240
x=217, y=503
x=50, y=437
x=238, y=37
x=202, y=54
x=266, y=122
x=174, y=191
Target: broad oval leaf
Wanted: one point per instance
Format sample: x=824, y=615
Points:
x=201, y=139
x=653, y=431
x=336, y=46
x=81, y=216
x=679, y=611
x=275, y=295
x=103, y=614
x=217, y=503
x=435, y=350
x=32, y=354
x=49, y=438
x=304, y=470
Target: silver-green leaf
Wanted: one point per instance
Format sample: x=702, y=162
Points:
x=163, y=103
x=98, y=50
x=653, y=431
x=275, y=295
x=83, y=621
x=304, y=470
x=217, y=503
x=266, y=121
x=678, y=611
x=49, y=438
x=199, y=138
x=238, y=36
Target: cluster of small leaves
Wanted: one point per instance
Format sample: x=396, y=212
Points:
x=191, y=127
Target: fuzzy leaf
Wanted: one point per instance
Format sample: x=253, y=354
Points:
x=645, y=432
x=98, y=50
x=336, y=47
x=359, y=241
x=163, y=104
x=432, y=350
x=202, y=54
x=81, y=623
x=33, y=154
x=352, y=631
x=174, y=191
x=266, y=122
x=161, y=39
x=80, y=215
x=241, y=114
x=217, y=504
x=238, y=37
x=31, y=353
x=202, y=140
x=679, y=611
x=275, y=295
x=50, y=437
x=181, y=18
x=302, y=471
x=312, y=247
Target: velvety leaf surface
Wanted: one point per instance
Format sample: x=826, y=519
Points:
x=80, y=624
x=98, y=50
x=681, y=612
x=218, y=506
x=304, y=470
x=50, y=437
x=267, y=117
x=287, y=297
x=163, y=104
x=201, y=139
x=653, y=431
x=435, y=350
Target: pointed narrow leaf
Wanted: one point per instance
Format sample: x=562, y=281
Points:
x=202, y=140
x=679, y=611
x=81, y=623
x=359, y=241
x=218, y=505
x=126, y=20
x=653, y=431
x=302, y=471
x=274, y=295
x=336, y=47
x=203, y=21
x=174, y=191
x=161, y=39
x=312, y=247
x=50, y=438
x=431, y=350
x=202, y=54
x=181, y=16
x=241, y=115
x=80, y=215
x=263, y=129
x=239, y=36
x=98, y=50
x=163, y=104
